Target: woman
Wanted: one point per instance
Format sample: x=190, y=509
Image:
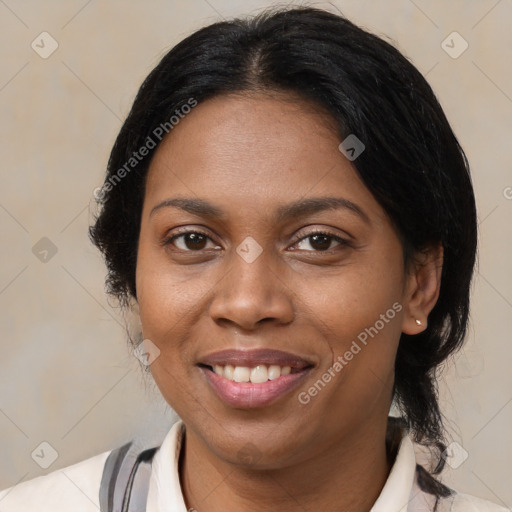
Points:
x=292, y=216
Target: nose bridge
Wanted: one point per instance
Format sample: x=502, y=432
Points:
x=250, y=275
x=251, y=290
x=251, y=266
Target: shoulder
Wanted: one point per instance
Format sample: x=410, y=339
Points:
x=423, y=500
x=426, y=488
x=77, y=485
x=461, y=502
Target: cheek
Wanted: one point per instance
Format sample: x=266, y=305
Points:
x=169, y=305
x=359, y=311
x=356, y=297
x=167, y=299
x=361, y=323
x=168, y=308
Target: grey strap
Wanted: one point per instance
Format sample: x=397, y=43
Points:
x=125, y=480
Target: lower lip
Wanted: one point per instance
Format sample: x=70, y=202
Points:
x=248, y=395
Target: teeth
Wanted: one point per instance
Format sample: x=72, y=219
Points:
x=241, y=374
x=259, y=374
x=228, y=372
x=256, y=375
x=274, y=372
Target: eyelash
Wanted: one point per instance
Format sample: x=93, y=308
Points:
x=342, y=242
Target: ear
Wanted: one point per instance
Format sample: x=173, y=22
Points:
x=421, y=291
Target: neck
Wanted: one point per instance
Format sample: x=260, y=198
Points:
x=348, y=476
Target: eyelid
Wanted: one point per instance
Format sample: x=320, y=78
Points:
x=314, y=229
x=322, y=231
x=184, y=230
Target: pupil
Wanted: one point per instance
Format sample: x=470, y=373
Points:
x=321, y=242
x=195, y=241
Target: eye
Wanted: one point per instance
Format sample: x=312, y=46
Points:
x=190, y=241
x=319, y=241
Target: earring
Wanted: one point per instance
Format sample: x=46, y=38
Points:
x=418, y=322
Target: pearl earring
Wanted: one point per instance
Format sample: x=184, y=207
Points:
x=418, y=322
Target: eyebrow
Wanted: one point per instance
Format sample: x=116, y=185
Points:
x=317, y=204
x=299, y=208
x=195, y=206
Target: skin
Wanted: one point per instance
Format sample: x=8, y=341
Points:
x=249, y=155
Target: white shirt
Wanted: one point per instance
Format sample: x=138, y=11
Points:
x=76, y=488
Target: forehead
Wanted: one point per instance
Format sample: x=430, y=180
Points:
x=255, y=149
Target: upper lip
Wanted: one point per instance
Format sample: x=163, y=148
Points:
x=255, y=357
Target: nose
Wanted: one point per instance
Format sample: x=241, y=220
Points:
x=250, y=294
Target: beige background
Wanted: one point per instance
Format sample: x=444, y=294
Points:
x=66, y=374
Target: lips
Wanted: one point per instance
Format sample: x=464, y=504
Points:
x=253, y=378
x=252, y=358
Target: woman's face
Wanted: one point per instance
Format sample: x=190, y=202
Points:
x=276, y=255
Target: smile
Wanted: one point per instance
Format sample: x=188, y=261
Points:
x=249, y=379
x=256, y=375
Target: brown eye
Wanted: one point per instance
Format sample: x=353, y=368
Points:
x=191, y=241
x=319, y=242
x=194, y=241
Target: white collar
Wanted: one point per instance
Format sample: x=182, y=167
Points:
x=396, y=493
x=399, y=494
x=164, y=486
